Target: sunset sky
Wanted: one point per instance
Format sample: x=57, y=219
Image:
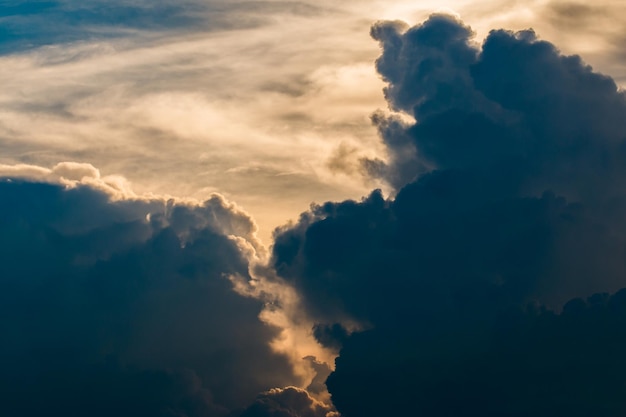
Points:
x=206, y=203
x=266, y=102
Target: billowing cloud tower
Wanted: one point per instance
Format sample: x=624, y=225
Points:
x=510, y=203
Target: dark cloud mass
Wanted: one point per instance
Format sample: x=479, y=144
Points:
x=124, y=307
x=510, y=203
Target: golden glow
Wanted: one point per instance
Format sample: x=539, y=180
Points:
x=257, y=114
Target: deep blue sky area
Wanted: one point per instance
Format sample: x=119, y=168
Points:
x=34, y=24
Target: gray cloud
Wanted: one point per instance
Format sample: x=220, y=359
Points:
x=509, y=204
x=116, y=305
x=598, y=26
x=556, y=100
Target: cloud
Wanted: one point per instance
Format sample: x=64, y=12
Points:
x=535, y=363
x=188, y=97
x=288, y=402
x=202, y=90
x=509, y=204
x=114, y=304
x=598, y=23
x=564, y=106
x=573, y=13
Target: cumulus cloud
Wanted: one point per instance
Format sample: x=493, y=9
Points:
x=113, y=304
x=518, y=88
x=508, y=160
x=288, y=402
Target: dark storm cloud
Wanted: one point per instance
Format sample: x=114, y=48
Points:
x=331, y=336
x=124, y=307
x=509, y=194
x=536, y=363
x=517, y=101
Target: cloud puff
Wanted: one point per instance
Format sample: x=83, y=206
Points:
x=511, y=195
x=116, y=305
x=516, y=101
x=288, y=402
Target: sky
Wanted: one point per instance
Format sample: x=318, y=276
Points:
x=214, y=208
x=252, y=100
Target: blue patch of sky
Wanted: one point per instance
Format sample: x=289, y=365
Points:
x=26, y=25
